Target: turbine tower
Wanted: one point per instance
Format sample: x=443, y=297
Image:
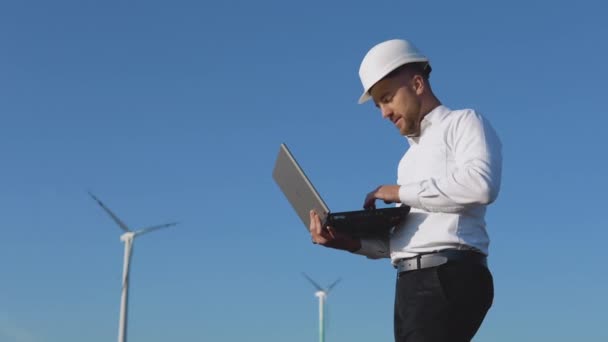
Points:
x=127, y=237
x=321, y=294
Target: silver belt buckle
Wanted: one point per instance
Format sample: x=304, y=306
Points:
x=420, y=262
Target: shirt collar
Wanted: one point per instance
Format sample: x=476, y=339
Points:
x=433, y=117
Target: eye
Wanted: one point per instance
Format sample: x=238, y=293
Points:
x=387, y=98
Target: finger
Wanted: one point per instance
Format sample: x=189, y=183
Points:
x=314, y=228
x=318, y=230
x=332, y=232
x=370, y=203
x=366, y=202
x=314, y=221
x=325, y=233
x=311, y=226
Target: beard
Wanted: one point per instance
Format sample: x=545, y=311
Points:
x=411, y=121
x=411, y=128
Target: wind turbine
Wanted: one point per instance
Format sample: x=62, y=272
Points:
x=322, y=294
x=127, y=237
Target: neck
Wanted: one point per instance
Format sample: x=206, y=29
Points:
x=427, y=106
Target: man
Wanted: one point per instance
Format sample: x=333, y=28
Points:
x=449, y=174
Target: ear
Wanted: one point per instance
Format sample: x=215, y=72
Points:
x=418, y=84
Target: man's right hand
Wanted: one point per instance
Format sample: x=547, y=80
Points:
x=328, y=237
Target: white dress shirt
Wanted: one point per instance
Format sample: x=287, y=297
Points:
x=448, y=176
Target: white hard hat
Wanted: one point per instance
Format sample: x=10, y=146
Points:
x=384, y=58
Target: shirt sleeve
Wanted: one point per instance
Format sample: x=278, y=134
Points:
x=476, y=177
x=374, y=248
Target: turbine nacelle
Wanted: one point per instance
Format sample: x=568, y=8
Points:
x=127, y=236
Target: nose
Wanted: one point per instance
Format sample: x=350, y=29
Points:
x=386, y=110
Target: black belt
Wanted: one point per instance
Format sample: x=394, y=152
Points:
x=434, y=259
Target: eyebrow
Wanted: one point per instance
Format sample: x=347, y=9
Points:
x=384, y=94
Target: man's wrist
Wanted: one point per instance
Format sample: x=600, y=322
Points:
x=395, y=193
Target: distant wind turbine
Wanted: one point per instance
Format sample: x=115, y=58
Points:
x=322, y=294
x=127, y=237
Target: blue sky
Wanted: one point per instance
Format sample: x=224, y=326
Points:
x=175, y=111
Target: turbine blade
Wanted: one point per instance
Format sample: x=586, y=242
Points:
x=121, y=224
x=317, y=286
x=333, y=284
x=153, y=228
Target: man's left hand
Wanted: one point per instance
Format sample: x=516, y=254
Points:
x=387, y=193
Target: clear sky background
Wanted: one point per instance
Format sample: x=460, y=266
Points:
x=175, y=111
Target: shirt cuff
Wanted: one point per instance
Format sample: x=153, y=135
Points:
x=409, y=194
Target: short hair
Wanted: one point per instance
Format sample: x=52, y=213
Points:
x=418, y=68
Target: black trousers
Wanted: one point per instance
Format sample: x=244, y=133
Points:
x=442, y=304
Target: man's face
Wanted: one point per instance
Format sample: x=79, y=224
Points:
x=398, y=99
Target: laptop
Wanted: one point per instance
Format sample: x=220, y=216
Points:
x=302, y=195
